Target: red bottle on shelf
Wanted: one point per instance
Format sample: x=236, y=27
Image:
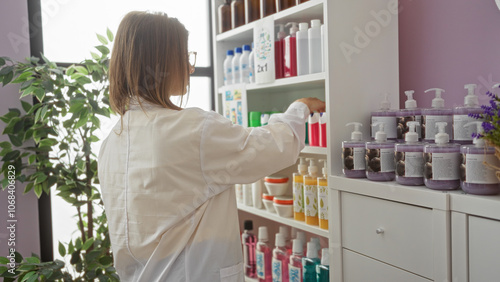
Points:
x=290, y=52
x=278, y=51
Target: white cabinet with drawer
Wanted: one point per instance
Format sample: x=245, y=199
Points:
x=475, y=237
x=395, y=233
x=389, y=232
x=361, y=268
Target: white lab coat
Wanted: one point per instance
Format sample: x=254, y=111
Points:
x=166, y=180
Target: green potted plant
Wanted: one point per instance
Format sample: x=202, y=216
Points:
x=49, y=148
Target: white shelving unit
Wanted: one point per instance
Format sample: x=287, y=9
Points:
x=297, y=83
x=389, y=231
x=351, y=85
x=284, y=220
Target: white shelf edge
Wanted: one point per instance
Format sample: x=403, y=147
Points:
x=314, y=150
x=391, y=190
x=248, y=279
x=297, y=9
x=283, y=220
x=283, y=82
x=277, y=16
x=233, y=32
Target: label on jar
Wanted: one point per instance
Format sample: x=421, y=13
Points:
x=311, y=200
x=476, y=171
x=323, y=202
x=460, y=131
x=260, y=264
x=409, y=164
x=298, y=197
x=429, y=128
x=389, y=126
x=380, y=160
x=277, y=275
x=294, y=273
x=442, y=166
x=353, y=158
x=402, y=126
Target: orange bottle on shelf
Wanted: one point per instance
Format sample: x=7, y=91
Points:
x=323, y=198
x=311, y=194
x=237, y=13
x=298, y=191
x=252, y=8
x=224, y=12
x=268, y=7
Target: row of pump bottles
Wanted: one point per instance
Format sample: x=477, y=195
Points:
x=310, y=193
x=436, y=163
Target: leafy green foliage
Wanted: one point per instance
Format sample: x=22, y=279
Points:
x=49, y=149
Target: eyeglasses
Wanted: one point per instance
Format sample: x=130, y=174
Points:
x=192, y=58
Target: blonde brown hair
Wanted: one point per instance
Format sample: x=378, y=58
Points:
x=149, y=61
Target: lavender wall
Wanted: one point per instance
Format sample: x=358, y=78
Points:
x=14, y=43
x=446, y=44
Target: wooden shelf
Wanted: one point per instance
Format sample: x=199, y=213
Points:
x=288, y=221
x=304, y=12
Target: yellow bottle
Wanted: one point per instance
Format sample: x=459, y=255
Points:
x=298, y=191
x=311, y=194
x=323, y=198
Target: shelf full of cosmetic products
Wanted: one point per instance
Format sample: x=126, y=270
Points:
x=437, y=147
x=301, y=203
x=289, y=260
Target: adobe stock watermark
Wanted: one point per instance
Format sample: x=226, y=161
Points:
x=363, y=36
x=50, y=8
x=11, y=221
x=486, y=82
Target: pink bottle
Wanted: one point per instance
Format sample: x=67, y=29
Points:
x=278, y=52
x=290, y=52
x=295, y=266
x=280, y=260
x=314, y=129
x=263, y=257
x=286, y=234
x=248, y=240
x=322, y=129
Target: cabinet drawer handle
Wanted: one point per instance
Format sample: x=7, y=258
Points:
x=379, y=231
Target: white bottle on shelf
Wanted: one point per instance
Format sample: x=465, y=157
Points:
x=245, y=65
x=228, y=68
x=314, y=35
x=236, y=65
x=302, y=49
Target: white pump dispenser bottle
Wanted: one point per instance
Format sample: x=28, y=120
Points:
x=461, y=133
x=353, y=153
x=441, y=161
x=409, y=113
x=380, y=157
x=437, y=113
